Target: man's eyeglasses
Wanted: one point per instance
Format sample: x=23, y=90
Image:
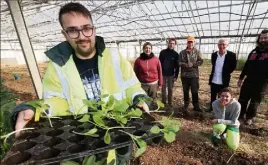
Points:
x=75, y=33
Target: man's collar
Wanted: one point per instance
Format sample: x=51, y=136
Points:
x=188, y=50
x=223, y=53
x=61, y=53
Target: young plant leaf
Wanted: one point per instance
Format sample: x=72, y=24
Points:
x=91, y=132
x=173, y=128
x=137, y=112
x=144, y=99
x=166, y=121
x=84, y=119
x=170, y=137
x=92, y=104
x=104, y=96
x=89, y=160
x=142, y=147
x=98, y=120
x=140, y=151
x=155, y=129
x=68, y=162
x=160, y=104
x=36, y=103
x=107, y=137
x=121, y=107
x=110, y=103
x=121, y=120
x=141, y=143
x=101, y=162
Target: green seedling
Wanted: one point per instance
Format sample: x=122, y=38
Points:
x=5, y=137
x=7, y=104
x=113, y=109
x=89, y=160
x=158, y=103
x=99, y=123
x=91, y=132
x=40, y=107
x=140, y=144
x=107, y=136
x=171, y=127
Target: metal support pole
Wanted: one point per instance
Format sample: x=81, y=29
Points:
x=26, y=46
x=199, y=44
x=117, y=45
x=140, y=46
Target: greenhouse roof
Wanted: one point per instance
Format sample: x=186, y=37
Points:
x=130, y=21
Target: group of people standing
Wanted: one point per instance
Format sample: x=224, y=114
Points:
x=161, y=73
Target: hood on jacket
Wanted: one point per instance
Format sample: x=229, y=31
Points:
x=145, y=56
x=61, y=53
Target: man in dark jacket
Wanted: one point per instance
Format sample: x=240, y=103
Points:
x=223, y=64
x=189, y=60
x=256, y=82
x=170, y=69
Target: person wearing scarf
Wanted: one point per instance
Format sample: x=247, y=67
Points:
x=148, y=70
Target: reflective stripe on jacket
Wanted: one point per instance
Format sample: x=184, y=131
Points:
x=62, y=86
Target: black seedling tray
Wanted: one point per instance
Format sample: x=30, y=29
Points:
x=46, y=145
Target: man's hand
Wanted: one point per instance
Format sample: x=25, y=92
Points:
x=214, y=121
x=23, y=118
x=239, y=83
x=144, y=106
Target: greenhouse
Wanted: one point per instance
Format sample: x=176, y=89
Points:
x=31, y=27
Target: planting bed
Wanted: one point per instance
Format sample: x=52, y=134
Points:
x=46, y=145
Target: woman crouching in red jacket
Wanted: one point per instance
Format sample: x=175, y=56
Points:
x=148, y=70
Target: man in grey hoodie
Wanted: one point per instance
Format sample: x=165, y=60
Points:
x=226, y=111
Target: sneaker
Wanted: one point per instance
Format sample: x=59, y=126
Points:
x=249, y=122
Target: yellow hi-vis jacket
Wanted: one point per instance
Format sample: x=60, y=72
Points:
x=63, y=89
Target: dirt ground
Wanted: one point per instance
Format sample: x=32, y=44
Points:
x=192, y=145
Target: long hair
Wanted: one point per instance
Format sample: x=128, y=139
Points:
x=258, y=39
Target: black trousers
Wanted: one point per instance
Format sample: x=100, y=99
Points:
x=214, y=92
x=252, y=94
x=192, y=83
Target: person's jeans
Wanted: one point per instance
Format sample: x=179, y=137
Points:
x=167, y=83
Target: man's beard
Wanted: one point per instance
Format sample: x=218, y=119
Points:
x=263, y=45
x=82, y=52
